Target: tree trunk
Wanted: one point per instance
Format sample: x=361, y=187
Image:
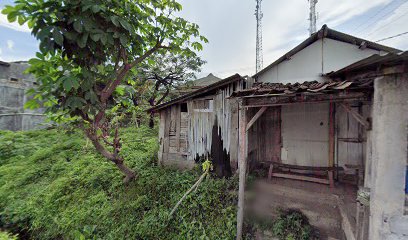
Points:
x=130, y=175
x=115, y=158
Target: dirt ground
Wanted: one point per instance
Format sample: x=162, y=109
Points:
x=318, y=202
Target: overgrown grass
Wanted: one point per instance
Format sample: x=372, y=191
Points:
x=7, y=236
x=53, y=185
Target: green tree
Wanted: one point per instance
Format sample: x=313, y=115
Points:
x=90, y=47
x=164, y=73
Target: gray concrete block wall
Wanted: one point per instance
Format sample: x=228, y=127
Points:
x=389, y=157
x=14, y=84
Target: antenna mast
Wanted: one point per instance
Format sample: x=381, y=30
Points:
x=258, y=15
x=312, y=16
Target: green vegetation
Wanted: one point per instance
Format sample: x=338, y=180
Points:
x=90, y=52
x=54, y=185
x=7, y=236
x=292, y=224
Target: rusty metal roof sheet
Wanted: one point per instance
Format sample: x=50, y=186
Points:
x=198, y=92
x=277, y=89
x=371, y=63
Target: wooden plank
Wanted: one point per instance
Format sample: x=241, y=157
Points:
x=356, y=116
x=178, y=122
x=161, y=136
x=234, y=135
x=302, y=178
x=270, y=172
x=242, y=171
x=304, y=98
x=311, y=168
x=166, y=139
x=331, y=140
x=256, y=116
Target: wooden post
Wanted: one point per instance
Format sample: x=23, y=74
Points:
x=242, y=159
x=331, y=142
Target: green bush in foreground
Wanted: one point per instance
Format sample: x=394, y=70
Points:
x=7, y=236
x=54, y=186
x=292, y=224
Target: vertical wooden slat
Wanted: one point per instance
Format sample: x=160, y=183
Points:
x=242, y=170
x=331, y=141
x=234, y=135
x=178, y=122
x=166, y=141
x=161, y=135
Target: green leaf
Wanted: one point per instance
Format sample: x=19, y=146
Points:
x=104, y=39
x=123, y=40
x=31, y=104
x=30, y=24
x=115, y=21
x=78, y=26
x=21, y=20
x=67, y=84
x=82, y=40
x=96, y=8
x=39, y=55
x=8, y=9
x=125, y=24
x=75, y=102
x=12, y=16
x=91, y=96
x=58, y=38
x=95, y=37
x=70, y=82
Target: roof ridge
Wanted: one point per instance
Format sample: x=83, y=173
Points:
x=326, y=32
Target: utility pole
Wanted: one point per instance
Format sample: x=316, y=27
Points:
x=258, y=15
x=312, y=16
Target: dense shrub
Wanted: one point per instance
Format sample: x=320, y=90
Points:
x=54, y=186
x=292, y=224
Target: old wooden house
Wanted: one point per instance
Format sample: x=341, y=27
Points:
x=335, y=105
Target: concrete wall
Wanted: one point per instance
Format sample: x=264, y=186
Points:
x=323, y=56
x=13, y=86
x=389, y=158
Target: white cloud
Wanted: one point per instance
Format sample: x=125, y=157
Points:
x=10, y=44
x=14, y=25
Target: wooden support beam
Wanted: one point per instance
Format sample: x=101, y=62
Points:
x=357, y=116
x=281, y=100
x=242, y=158
x=256, y=116
x=301, y=178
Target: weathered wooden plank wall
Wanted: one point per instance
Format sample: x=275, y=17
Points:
x=189, y=134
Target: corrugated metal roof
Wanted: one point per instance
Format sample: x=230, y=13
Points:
x=326, y=32
x=372, y=62
x=198, y=92
x=278, y=89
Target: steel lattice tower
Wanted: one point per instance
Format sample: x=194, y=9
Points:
x=312, y=16
x=258, y=15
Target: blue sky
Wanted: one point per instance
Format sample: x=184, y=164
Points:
x=230, y=27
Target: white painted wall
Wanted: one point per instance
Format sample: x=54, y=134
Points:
x=305, y=134
x=322, y=56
